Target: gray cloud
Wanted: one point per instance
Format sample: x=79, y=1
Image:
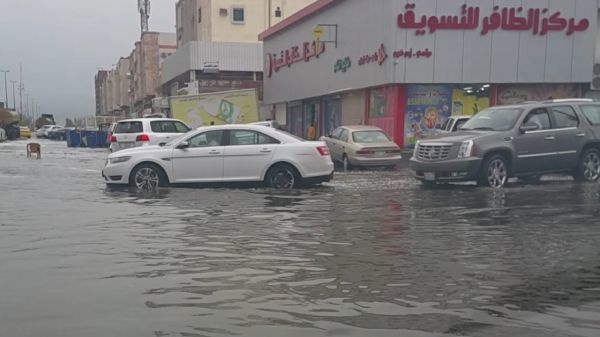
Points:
x=61, y=43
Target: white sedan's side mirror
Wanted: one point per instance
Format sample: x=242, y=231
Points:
x=183, y=145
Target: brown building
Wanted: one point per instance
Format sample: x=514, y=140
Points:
x=128, y=89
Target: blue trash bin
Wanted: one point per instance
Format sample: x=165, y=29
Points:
x=103, y=139
x=73, y=138
x=92, y=139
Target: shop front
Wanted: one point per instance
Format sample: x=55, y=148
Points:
x=407, y=66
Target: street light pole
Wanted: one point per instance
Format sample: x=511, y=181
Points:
x=14, y=96
x=5, y=86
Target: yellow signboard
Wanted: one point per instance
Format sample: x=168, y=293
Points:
x=226, y=107
x=317, y=32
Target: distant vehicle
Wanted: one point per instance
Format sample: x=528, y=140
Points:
x=25, y=132
x=362, y=145
x=525, y=141
x=9, y=121
x=224, y=153
x=44, y=131
x=2, y=135
x=136, y=132
x=59, y=134
x=454, y=123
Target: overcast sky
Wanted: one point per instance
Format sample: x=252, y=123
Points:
x=61, y=43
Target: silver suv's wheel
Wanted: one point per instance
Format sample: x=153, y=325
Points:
x=147, y=177
x=494, y=172
x=589, y=166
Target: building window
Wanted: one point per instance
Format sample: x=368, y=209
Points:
x=278, y=12
x=199, y=15
x=237, y=15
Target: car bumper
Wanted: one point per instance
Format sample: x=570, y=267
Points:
x=116, y=174
x=381, y=161
x=449, y=170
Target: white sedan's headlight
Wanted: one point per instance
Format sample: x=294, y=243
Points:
x=466, y=149
x=117, y=160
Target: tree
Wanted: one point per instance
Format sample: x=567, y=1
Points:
x=69, y=123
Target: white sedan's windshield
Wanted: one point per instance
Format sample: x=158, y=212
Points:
x=496, y=119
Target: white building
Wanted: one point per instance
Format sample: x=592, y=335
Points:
x=407, y=65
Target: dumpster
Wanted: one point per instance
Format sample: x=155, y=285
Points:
x=73, y=138
x=103, y=139
x=92, y=139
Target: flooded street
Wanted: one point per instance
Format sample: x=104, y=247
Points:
x=370, y=254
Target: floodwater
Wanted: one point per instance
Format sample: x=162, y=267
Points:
x=370, y=254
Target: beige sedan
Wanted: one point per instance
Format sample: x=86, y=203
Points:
x=362, y=145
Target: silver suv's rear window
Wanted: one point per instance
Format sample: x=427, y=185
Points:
x=129, y=127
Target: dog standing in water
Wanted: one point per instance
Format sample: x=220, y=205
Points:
x=34, y=148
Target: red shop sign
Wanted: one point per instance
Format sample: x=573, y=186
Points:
x=537, y=20
x=379, y=56
x=274, y=62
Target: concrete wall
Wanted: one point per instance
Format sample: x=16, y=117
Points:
x=220, y=28
x=458, y=55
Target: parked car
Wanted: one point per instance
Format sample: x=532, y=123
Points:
x=453, y=123
x=362, y=145
x=25, y=132
x=2, y=135
x=527, y=141
x=145, y=131
x=225, y=153
x=44, y=130
x=59, y=134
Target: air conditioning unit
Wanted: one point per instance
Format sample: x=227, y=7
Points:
x=595, y=85
x=223, y=12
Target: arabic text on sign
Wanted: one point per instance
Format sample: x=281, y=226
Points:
x=537, y=20
x=286, y=58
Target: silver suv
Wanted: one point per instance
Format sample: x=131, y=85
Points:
x=525, y=141
x=145, y=131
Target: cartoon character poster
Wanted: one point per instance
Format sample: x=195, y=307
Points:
x=427, y=106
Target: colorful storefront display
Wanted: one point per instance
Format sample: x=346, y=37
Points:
x=514, y=94
x=464, y=104
x=427, y=107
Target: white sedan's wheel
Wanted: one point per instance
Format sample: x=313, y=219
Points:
x=147, y=177
x=282, y=176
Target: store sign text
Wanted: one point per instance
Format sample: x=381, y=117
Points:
x=379, y=56
x=342, y=65
x=274, y=62
x=536, y=20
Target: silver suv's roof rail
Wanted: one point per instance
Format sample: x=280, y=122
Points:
x=565, y=100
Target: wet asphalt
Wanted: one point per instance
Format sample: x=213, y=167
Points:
x=372, y=253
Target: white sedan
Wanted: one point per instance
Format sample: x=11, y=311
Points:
x=226, y=153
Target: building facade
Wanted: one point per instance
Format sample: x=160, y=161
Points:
x=129, y=88
x=230, y=20
x=407, y=66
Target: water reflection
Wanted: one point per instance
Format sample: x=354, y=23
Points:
x=370, y=254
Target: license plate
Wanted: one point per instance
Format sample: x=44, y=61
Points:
x=429, y=176
x=380, y=154
x=126, y=145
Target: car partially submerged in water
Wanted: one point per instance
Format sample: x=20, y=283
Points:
x=526, y=141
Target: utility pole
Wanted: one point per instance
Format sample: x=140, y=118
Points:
x=5, y=87
x=14, y=97
x=21, y=88
x=28, y=113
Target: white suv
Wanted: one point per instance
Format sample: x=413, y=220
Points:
x=145, y=131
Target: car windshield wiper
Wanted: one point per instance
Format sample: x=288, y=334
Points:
x=482, y=128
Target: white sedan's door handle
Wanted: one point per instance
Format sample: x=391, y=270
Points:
x=266, y=150
x=214, y=152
